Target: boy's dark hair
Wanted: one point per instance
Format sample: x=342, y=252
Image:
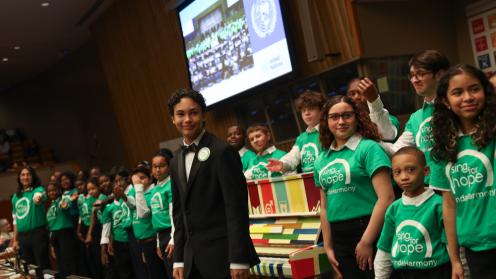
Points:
x=430, y=60
x=186, y=93
x=412, y=150
x=123, y=173
x=166, y=153
x=143, y=170
x=310, y=99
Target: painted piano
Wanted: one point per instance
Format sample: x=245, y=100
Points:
x=285, y=227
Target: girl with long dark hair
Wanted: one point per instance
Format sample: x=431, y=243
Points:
x=464, y=127
x=28, y=212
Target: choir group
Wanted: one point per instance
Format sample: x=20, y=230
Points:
x=415, y=204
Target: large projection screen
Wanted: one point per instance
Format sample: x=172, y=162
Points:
x=233, y=45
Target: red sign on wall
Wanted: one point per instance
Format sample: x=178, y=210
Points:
x=478, y=25
x=480, y=44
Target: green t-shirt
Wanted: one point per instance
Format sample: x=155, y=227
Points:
x=57, y=217
x=471, y=180
x=29, y=215
x=73, y=208
x=396, y=123
x=309, y=146
x=258, y=165
x=247, y=156
x=115, y=214
x=413, y=232
x=419, y=124
x=142, y=227
x=158, y=200
x=346, y=177
x=127, y=220
x=80, y=205
x=88, y=208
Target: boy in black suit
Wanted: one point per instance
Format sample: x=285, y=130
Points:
x=210, y=200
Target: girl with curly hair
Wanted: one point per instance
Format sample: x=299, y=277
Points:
x=464, y=126
x=353, y=174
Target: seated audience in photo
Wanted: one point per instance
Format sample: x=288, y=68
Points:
x=6, y=234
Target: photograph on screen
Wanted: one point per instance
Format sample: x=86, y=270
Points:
x=233, y=45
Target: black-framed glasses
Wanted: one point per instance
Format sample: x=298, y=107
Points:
x=419, y=75
x=347, y=115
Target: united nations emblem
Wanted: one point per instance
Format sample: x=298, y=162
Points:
x=264, y=17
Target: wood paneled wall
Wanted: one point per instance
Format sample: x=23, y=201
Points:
x=141, y=51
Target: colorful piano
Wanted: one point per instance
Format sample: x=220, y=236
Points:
x=285, y=227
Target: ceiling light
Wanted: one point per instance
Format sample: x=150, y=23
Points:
x=5, y=59
x=17, y=48
x=45, y=4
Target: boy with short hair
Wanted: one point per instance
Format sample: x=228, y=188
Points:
x=426, y=69
x=236, y=137
x=210, y=208
x=261, y=140
x=307, y=146
x=413, y=240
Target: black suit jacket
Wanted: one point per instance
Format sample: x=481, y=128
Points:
x=210, y=211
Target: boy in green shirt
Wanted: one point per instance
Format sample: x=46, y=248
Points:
x=114, y=235
x=260, y=139
x=60, y=224
x=413, y=240
x=425, y=70
x=236, y=137
x=307, y=146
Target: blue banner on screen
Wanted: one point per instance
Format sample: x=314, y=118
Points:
x=233, y=45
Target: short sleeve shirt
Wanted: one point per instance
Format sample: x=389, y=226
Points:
x=419, y=125
x=346, y=177
x=309, y=146
x=142, y=227
x=29, y=215
x=414, y=233
x=57, y=217
x=158, y=201
x=247, y=156
x=258, y=165
x=471, y=180
x=115, y=214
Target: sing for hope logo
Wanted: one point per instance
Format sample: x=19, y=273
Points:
x=309, y=153
x=424, y=137
x=468, y=174
x=156, y=202
x=407, y=240
x=22, y=208
x=333, y=173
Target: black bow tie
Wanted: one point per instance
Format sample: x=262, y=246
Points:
x=189, y=148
